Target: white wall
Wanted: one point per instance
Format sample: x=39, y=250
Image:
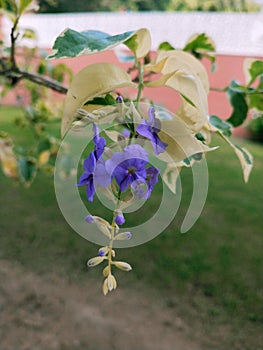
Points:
x=233, y=33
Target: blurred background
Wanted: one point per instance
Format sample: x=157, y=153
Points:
x=200, y=290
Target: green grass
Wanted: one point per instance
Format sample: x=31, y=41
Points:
x=213, y=274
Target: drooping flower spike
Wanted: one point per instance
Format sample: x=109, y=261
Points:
x=128, y=170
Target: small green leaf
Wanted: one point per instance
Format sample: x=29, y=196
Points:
x=221, y=125
x=25, y=4
x=255, y=70
x=29, y=34
x=256, y=101
x=102, y=101
x=201, y=45
x=195, y=157
x=238, y=102
x=165, y=46
x=256, y=96
x=27, y=169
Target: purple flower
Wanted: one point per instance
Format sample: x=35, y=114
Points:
x=89, y=219
x=94, y=169
x=150, y=130
x=119, y=218
x=99, y=142
x=128, y=166
x=119, y=99
x=126, y=132
x=87, y=177
x=143, y=189
x=152, y=178
x=101, y=253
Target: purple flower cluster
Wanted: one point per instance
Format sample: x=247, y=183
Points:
x=129, y=168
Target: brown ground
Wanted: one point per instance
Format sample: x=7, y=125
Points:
x=50, y=313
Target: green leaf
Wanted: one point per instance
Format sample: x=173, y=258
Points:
x=256, y=96
x=44, y=145
x=27, y=169
x=223, y=126
x=71, y=43
x=256, y=101
x=102, y=101
x=238, y=102
x=165, y=46
x=26, y=5
x=201, y=45
x=255, y=70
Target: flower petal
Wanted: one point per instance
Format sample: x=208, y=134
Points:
x=89, y=163
x=101, y=176
x=90, y=190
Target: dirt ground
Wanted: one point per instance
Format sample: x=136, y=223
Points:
x=50, y=313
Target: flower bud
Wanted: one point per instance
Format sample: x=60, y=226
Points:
x=112, y=284
x=103, y=225
x=119, y=99
x=103, y=251
x=123, y=236
x=95, y=261
x=105, y=286
x=122, y=265
x=79, y=124
x=119, y=218
x=89, y=219
x=106, y=271
x=83, y=113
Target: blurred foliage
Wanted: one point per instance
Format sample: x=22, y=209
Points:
x=214, y=5
x=24, y=71
x=148, y=5
x=255, y=127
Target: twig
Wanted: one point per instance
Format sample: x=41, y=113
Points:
x=15, y=74
x=14, y=37
x=44, y=81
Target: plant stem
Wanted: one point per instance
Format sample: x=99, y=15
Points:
x=113, y=226
x=140, y=87
x=14, y=37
